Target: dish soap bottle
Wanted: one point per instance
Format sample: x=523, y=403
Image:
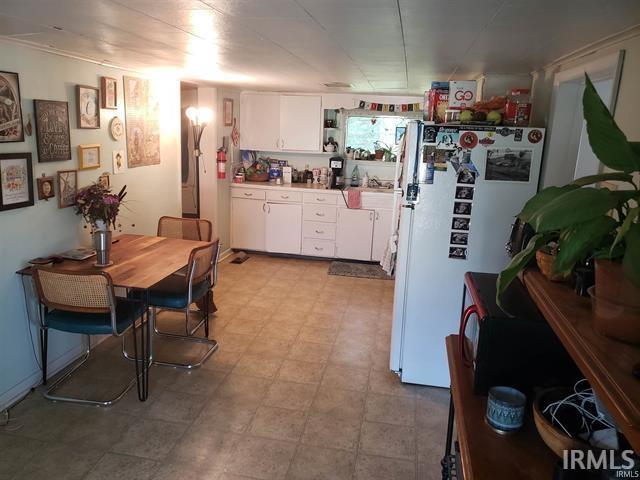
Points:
x=355, y=176
x=365, y=180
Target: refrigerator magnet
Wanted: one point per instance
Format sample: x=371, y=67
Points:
x=459, y=238
x=462, y=208
x=460, y=223
x=458, y=253
x=468, y=140
x=448, y=138
x=430, y=134
x=508, y=164
x=464, y=193
x=466, y=177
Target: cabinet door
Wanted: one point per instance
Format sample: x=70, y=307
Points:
x=381, y=233
x=283, y=230
x=260, y=122
x=354, y=234
x=247, y=224
x=300, y=122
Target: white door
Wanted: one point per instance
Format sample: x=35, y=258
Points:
x=300, y=123
x=381, y=233
x=247, y=224
x=354, y=234
x=283, y=229
x=260, y=122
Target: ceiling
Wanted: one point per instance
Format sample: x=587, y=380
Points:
x=391, y=46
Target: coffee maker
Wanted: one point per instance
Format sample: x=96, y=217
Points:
x=336, y=164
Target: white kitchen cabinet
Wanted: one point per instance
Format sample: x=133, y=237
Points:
x=300, y=123
x=247, y=224
x=283, y=228
x=381, y=233
x=260, y=121
x=354, y=234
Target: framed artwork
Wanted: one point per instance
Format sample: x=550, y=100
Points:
x=88, y=106
x=88, y=156
x=400, y=132
x=118, y=161
x=227, y=112
x=11, y=129
x=142, y=123
x=109, y=90
x=103, y=180
x=45, y=188
x=67, y=188
x=16, y=181
x=52, y=130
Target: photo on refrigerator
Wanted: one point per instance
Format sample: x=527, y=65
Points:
x=509, y=165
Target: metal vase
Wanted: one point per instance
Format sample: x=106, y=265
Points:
x=102, y=245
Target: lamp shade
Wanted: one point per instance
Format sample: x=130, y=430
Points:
x=199, y=115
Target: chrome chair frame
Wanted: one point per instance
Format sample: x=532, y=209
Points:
x=44, y=333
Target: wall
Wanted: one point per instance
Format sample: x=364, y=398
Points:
x=44, y=228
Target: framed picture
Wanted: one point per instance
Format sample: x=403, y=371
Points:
x=16, y=181
x=460, y=223
x=462, y=208
x=45, y=188
x=67, y=188
x=227, y=112
x=11, y=129
x=103, y=180
x=88, y=103
x=142, y=122
x=109, y=89
x=88, y=156
x=52, y=130
x=464, y=193
x=400, y=131
x=118, y=161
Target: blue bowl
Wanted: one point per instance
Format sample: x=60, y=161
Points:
x=505, y=409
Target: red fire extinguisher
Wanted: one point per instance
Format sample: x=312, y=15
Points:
x=221, y=159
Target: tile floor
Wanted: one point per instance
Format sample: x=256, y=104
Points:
x=299, y=389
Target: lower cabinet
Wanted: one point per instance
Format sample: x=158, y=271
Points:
x=283, y=228
x=247, y=224
x=381, y=233
x=354, y=234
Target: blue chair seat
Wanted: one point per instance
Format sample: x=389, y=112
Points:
x=173, y=293
x=95, y=323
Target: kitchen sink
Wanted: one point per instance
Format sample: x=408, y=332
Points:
x=384, y=189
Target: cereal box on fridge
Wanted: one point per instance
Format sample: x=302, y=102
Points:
x=462, y=94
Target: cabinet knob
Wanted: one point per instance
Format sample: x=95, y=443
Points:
x=248, y=194
x=320, y=231
x=321, y=199
x=284, y=196
x=319, y=249
x=320, y=214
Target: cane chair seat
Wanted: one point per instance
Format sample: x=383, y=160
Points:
x=185, y=228
x=95, y=323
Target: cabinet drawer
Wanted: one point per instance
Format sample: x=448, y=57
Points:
x=318, y=248
x=319, y=213
x=324, y=231
x=279, y=196
x=250, y=193
x=320, y=198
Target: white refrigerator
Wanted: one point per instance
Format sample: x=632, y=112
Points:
x=459, y=189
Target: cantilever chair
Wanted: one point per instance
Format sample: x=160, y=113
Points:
x=178, y=292
x=185, y=228
x=84, y=303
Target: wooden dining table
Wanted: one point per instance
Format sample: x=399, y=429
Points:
x=139, y=262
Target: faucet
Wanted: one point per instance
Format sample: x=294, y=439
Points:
x=375, y=181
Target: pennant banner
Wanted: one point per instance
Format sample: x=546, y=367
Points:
x=390, y=107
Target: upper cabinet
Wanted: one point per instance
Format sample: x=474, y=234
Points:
x=272, y=122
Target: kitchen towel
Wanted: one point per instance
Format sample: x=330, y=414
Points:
x=354, y=199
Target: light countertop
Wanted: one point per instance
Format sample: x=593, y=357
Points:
x=304, y=186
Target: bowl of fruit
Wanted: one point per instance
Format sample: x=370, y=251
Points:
x=258, y=171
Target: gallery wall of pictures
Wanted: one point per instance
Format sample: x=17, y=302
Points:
x=46, y=130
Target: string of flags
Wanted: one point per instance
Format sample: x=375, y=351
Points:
x=390, y=107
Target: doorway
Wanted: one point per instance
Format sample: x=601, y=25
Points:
x=568, y=154
x=190, y=178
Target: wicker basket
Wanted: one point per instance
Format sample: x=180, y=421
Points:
x=258, y=177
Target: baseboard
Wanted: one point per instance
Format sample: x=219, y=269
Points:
x=18, y=391
x=223, y=255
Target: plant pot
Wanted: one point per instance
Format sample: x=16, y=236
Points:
x=379, y=154
x=616, y=303
x=545, y=264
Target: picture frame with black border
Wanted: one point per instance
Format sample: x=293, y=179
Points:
x=460, y=223
x=16, y=181
x=458, y=253
x=11, y=122
x=464, y=193
x=53, y=140
x=67, y=188
x=459, y=238
x=466, y=177
x=462, y=208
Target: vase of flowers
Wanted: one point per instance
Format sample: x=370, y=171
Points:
x=99, y=207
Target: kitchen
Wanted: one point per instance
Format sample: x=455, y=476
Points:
x=353, y=169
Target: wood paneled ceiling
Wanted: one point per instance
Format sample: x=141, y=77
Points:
x=394, y=46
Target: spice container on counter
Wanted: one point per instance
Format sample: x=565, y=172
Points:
x=517, y=111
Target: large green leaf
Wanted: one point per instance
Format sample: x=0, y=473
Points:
x=635, y=146
x=578, y=241
x=625, y=195
x=573, y=207
x=624, y=228
x=542, y=198
x=603, y=177
x=607, y=141
x=631, y=260
x=517, y=264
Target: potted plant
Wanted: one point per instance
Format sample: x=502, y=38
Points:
x=588, y=221
x=99, y=208
x=383, y=151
